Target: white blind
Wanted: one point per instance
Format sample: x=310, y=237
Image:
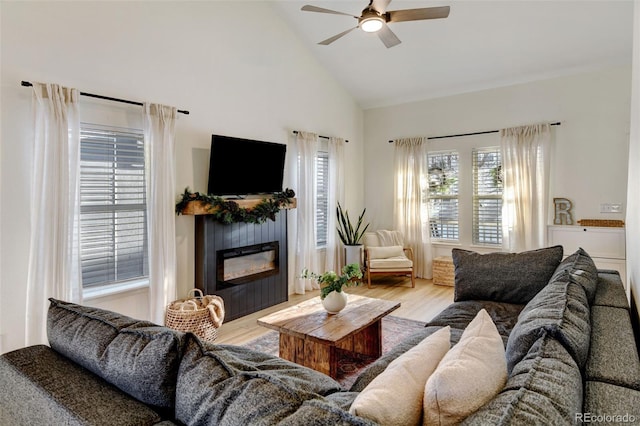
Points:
x=322, y=197
x=113, y=225
x=443, y=195
x=487, y=196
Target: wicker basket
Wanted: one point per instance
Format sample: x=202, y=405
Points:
x=200, y=315
x=602, y=222
x=443, y=273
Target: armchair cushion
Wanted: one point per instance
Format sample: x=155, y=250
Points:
x=392, y=263
x=385, y=252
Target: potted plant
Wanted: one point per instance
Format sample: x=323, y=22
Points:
x=331, y=284
x=351, y=235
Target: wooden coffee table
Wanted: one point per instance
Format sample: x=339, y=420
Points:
x=312, y=337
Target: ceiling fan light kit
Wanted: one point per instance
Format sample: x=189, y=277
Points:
x=374, y=18
x=371, y=21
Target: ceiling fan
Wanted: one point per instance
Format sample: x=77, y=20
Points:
x=375, y=18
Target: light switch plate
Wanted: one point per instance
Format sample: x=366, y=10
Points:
x=616, y=208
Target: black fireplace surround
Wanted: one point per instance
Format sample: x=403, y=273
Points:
x=244, y=263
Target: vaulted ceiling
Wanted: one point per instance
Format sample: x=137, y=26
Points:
x=482, y=44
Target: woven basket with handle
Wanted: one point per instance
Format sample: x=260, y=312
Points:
x=198, y=314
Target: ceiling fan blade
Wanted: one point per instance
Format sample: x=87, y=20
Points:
x=380, y=5
x=418, y=14
x=309, y=8
x=335, y=37
x=388, y=37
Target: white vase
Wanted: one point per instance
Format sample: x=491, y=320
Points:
x=335, y=301
x=353, y=254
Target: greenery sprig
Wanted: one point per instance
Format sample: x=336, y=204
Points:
x=330, y=281
x=228, y=211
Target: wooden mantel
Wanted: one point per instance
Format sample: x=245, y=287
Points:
x=199, y=207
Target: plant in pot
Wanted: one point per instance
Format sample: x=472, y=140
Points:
x=331, y=285
x=351, y=235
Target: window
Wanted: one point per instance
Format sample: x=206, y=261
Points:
x=443, y=195
x=487, y=196
x=322, y=197
x=113, y=219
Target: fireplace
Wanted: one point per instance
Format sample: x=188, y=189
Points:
x=246, y=264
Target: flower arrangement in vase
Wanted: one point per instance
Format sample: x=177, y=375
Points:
x=331, y=285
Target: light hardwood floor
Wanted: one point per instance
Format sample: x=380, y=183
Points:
x=420, y=303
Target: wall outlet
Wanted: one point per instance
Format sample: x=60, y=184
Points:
x=611, y=208
x=616, y=207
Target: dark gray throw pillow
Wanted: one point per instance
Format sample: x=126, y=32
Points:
x=503, y=277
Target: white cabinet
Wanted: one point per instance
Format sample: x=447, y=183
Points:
x=606, y=246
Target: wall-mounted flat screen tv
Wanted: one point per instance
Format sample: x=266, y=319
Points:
x=243, y=166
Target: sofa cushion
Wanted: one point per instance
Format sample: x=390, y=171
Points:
x=607, y=404
x=138, y=357
x=468, y=376
x=582, y=270
x=395, y=396
x=503, y=277
x=561, y=309
x=610, y=290
x=613, y=357
x=544, y=388
x=42, y=387
x=225, y=384
x=459, y=314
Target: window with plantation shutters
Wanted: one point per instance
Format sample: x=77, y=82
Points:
x=487, y=196
x=443, y=195
x=113, y=216
x=322, y=197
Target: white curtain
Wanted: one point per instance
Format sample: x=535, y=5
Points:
x=525, y=163
x=305, y=146
x=410, y=165
x=159, y=136
x=333, y=254
x=54, y=252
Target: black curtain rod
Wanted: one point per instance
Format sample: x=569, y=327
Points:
x=108, y=98
x=295, y=132
x=475, y=133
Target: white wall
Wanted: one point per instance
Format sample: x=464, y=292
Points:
x=633, y=212
x=234, y=65
x=589, y=164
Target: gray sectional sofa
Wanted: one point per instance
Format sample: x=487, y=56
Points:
x=570, y=351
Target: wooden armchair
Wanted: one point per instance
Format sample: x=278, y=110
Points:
x=384, y=253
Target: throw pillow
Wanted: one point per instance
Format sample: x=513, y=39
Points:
x=394, y=397
x=503, y=277
x=385, y=252
x=469, y=375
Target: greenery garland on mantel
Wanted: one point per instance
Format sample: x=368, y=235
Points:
x=228, y=211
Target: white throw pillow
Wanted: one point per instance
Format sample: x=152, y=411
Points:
x=469, y=375
x=385, y=252
x=394, y=397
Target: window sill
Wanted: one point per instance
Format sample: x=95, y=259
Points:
x=446, y=243
x=116, y=288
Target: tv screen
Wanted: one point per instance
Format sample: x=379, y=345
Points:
x=243, y=166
